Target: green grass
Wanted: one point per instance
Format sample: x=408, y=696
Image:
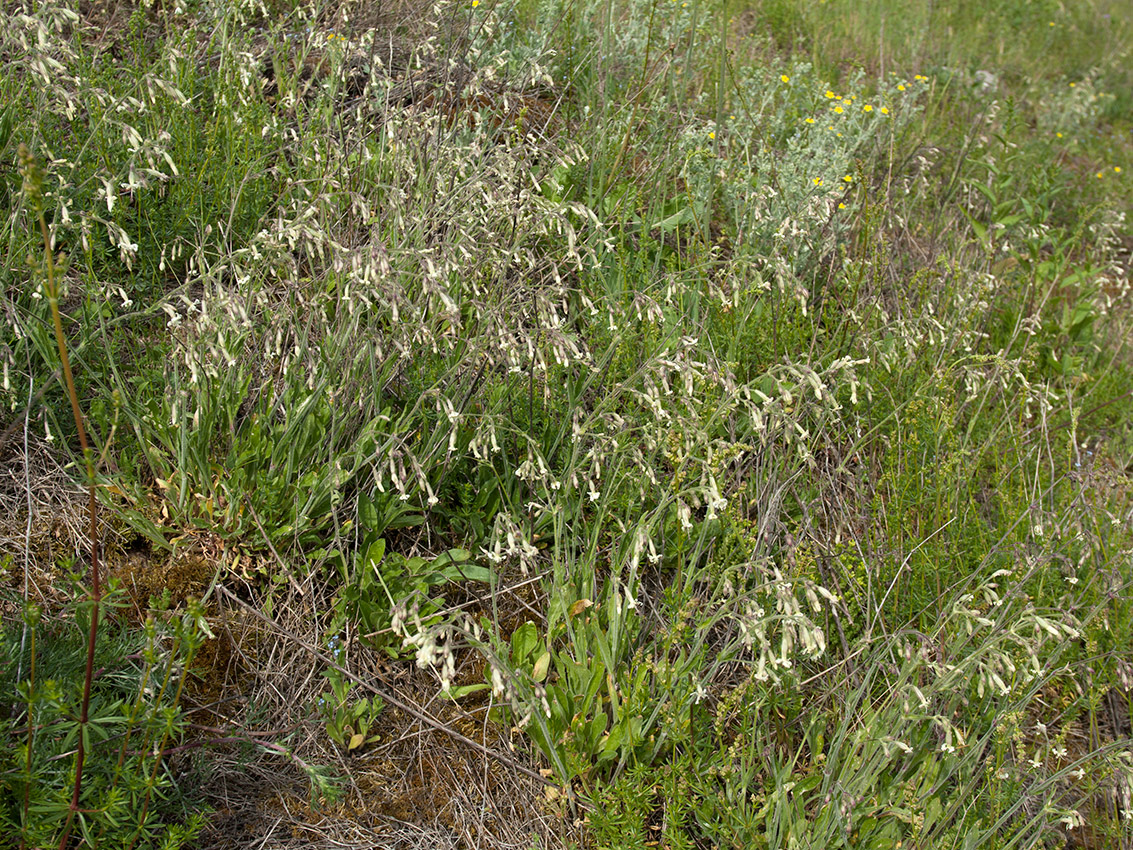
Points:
x=789, y=357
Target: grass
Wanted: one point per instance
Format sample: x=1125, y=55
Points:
x=608, y=425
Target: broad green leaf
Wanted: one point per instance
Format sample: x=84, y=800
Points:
x=464, y=690
x=542, y=664
x=523, y=642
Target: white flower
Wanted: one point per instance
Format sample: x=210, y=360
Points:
x=1072, y=820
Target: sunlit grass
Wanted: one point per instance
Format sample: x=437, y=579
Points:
x=778, y=354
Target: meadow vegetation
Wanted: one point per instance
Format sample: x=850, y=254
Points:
x=624, y=424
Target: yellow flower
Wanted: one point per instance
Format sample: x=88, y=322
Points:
x=867, y=108
x=830, y=95
x=731, y=117
x=848, y=178
x=1098, y=175
x=784, y=78
x=712, y=135
x=1059, y=135
x=841, y=206
x=846, y=101
x=475, y=3
x=1073, y=84
x=839, y=110
x=884, y=110
x=817, y=181
x=810, y=120
x=1117, y=169
x=1051, y=24
x=901, y=87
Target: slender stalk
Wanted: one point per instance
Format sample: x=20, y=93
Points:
x=33, y=189
x=31, y=734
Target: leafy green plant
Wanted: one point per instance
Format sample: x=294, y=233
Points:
x=128, y=795
x=348, y=720
x=378, y=582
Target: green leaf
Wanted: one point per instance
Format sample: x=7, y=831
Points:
x=932, y=813
x=542, y=664
x=405, y=521
x=674, y=221
x=464, y=690
x=595, y=729
x=986, y=191
x=461, y=572
x=980, y=229
x=375, y=553
x=523, y=642
x=453, y=556
x=613, y=740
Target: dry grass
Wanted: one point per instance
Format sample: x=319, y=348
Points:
x=417, y=787
x=42, y=517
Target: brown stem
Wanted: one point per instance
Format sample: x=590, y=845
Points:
x=92, y=509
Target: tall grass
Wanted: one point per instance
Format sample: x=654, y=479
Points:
x=784, y=347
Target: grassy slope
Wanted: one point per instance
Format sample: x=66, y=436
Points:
x=733, y=399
